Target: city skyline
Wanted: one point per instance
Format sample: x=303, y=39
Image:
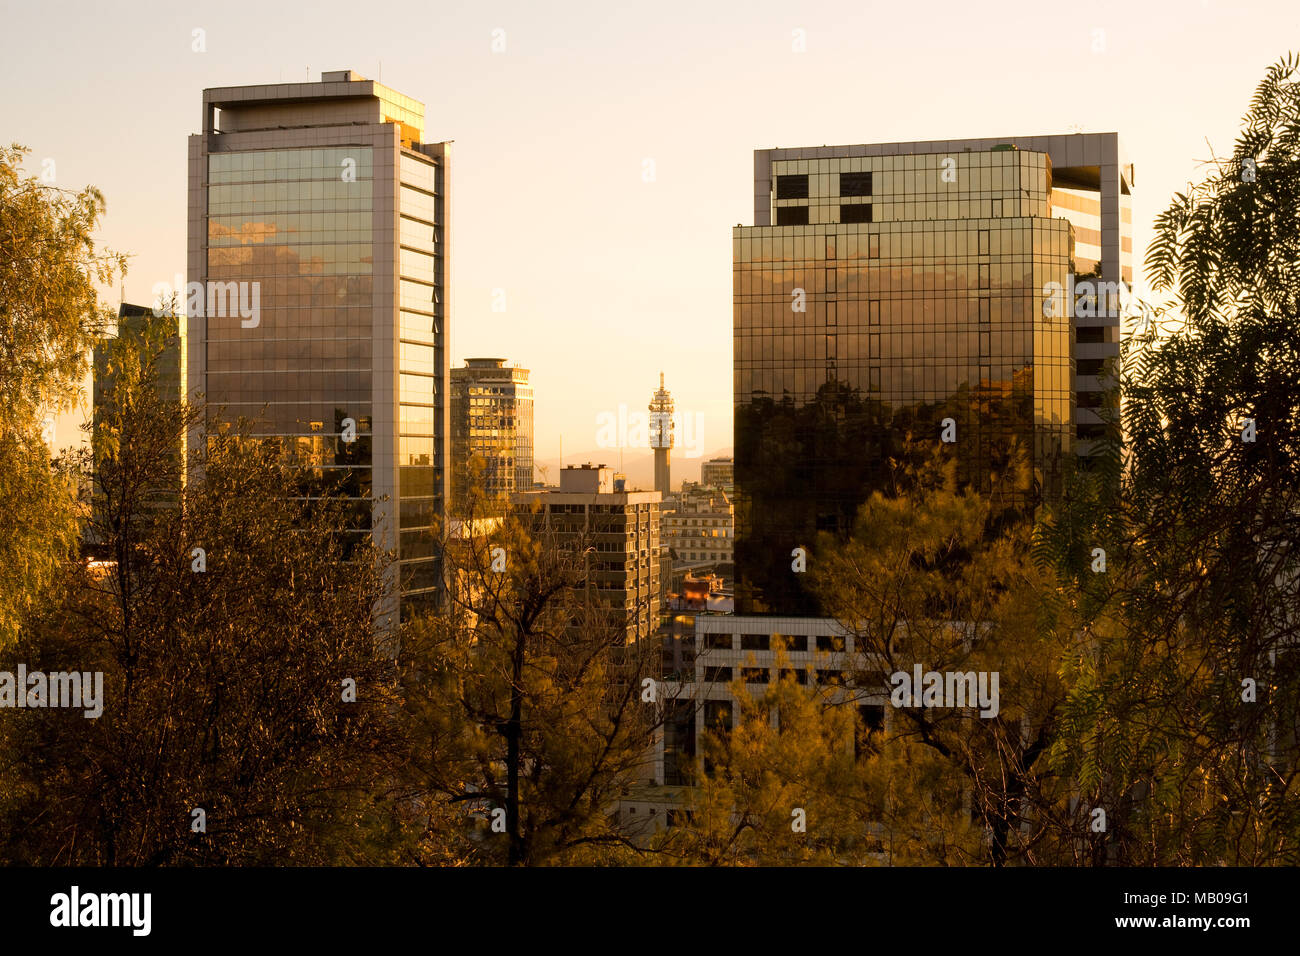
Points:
x=664, y=280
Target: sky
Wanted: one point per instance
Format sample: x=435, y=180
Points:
x=612, y=276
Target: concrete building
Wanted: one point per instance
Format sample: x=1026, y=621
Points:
x=491, y=419
x=619, y=530
x=718, y=473
x=700, y=527
x=321, y=209
x=885, y=289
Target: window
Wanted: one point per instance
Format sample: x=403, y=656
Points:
x=717, y=714
x=792, y=187
x=795, y=642
x=1089, y=432
x=754, y=675
x=799, y=675
x=717, y=675
x=1091, y=334
x=829, y=642
x=857, y=212
x=855, y=184
x=873, y=717
x=873, y=722
x=1089, y=399
x=755, y=642
x=1090, y=366
x=717, y=641
x=792, y=216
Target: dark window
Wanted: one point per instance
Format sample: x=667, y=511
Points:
x=829, y=642
x=1089, y=399
x=830, y=676
x=1090, y=334
x=873, y=717
x=754, y=675
x=855, y=184
x=792, y=187
x=1089, y=432
x=798, y=673
x=795, y=642
x=857, y=212
x=717, y=675
x=792, y=216
x=717, y=641
x=717, y=714
x=755, y=642
x=1089, y=366
x=873, y=722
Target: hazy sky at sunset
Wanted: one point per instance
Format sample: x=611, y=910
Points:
x=608, y=278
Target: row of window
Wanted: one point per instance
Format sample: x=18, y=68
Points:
x=798, y=215
x=796, y=187
x=763, y=675
x=768, y=642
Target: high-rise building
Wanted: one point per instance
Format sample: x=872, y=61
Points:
x=167, y=354
x=893, y=290
x=661, y=436
x=618, y=531
x=491, y=419
x=320, y=209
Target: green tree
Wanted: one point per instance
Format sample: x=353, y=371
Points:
x=1198, y=602
x=49, y=318
x=228, y=672
x=526, y=703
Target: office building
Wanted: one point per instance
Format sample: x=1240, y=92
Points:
x=619, y=533
x=699, y=528
x=718, y=473
x=322, y=211
x=887, y=289
x=167, y=353
x=491, y=420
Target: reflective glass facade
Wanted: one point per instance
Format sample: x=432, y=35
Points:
x=851, y=336
x=284, y=219
x=492, y=420
x=321, y=199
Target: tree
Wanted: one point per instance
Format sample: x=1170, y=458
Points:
x=1181, y=718
x=247, y=707
x=49, y=318
x=529, y=710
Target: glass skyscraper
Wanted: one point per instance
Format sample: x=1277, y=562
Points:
x=885, y=289
x=491, y=419
x=320, y=205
